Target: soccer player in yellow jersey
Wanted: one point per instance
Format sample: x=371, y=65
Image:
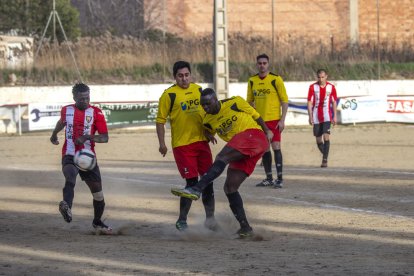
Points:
x=266, y=92
x=247, y=137
x=181, y=103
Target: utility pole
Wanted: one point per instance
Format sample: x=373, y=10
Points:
x=221, y=55
x=273, y=32
x=378, y=40
x=163, y=40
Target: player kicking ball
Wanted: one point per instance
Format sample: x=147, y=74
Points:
x=81, y=121
x=247, y=137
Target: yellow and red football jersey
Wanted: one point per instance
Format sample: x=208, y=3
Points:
x=235, y=116
x=183, y=108
x=268, y=94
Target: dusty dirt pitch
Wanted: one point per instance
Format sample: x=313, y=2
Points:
x=354, y=218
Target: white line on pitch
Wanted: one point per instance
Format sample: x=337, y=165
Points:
x=137, y=180
x=132, y=180
x=330, y=206
x=350, y=170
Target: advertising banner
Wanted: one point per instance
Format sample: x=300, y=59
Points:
x=45, y=116
x=298, y=112
x=129, y=113
x=400, y=109
x=362, y=109
x=298, y=105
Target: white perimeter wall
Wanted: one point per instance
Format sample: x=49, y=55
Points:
x=139, y=93
x=14, y=100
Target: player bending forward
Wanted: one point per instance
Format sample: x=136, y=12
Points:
x=81, y=121
x=241, y=126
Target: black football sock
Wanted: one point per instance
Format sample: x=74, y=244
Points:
x=279, y=164
x=320, y=147
x=215, y=170
x=267, y=164
x=185, y=203
x=70, y=173
x=69, y=193
x=98, y=209
x=326, y=150
x=208, y=200
x=236, y=206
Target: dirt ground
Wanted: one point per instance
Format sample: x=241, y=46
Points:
x=355, y=217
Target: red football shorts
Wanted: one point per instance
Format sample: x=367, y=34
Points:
x=272, y=125
x=194, y=159
x=252, y=143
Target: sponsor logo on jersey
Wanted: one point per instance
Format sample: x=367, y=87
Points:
x=69, y=131
x=226, y=125
x=190, y=105
x=261, y=92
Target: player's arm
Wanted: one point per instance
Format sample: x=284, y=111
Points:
x=250, y=97
x=210, y=136
x=161, y=138
x=284, y=101
x=281, y=124
x=164, y=107
x=101, y=127
x=209, y=133
x=334, y=106
x=262, y=124
x=310, y=105
x=59, y=126
x=100, y=138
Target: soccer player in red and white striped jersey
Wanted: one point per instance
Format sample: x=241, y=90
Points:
x=322, y=112
x=81, y=121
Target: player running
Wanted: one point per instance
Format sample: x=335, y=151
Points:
x=81, y=121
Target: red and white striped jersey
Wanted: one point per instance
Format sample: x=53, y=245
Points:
x=322, y=98
x=78, y=123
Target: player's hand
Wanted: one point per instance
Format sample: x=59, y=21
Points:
x=163, y=150
x=81, y=140
x=269, y=135
x=54, y=140
x=281, y=126
x=213, y=140
x=210, y=137
x=311, y=121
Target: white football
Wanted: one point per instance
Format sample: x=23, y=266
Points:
x=85, y=160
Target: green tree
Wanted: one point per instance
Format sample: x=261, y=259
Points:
x=29, y=17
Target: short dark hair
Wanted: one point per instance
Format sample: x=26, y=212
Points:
x=262, y=56
x=79, y=87
x=321, y=71
x=180, y=65
x=208, y=91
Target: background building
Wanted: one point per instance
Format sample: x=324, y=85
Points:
x=16, y=52
x=319, y=21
